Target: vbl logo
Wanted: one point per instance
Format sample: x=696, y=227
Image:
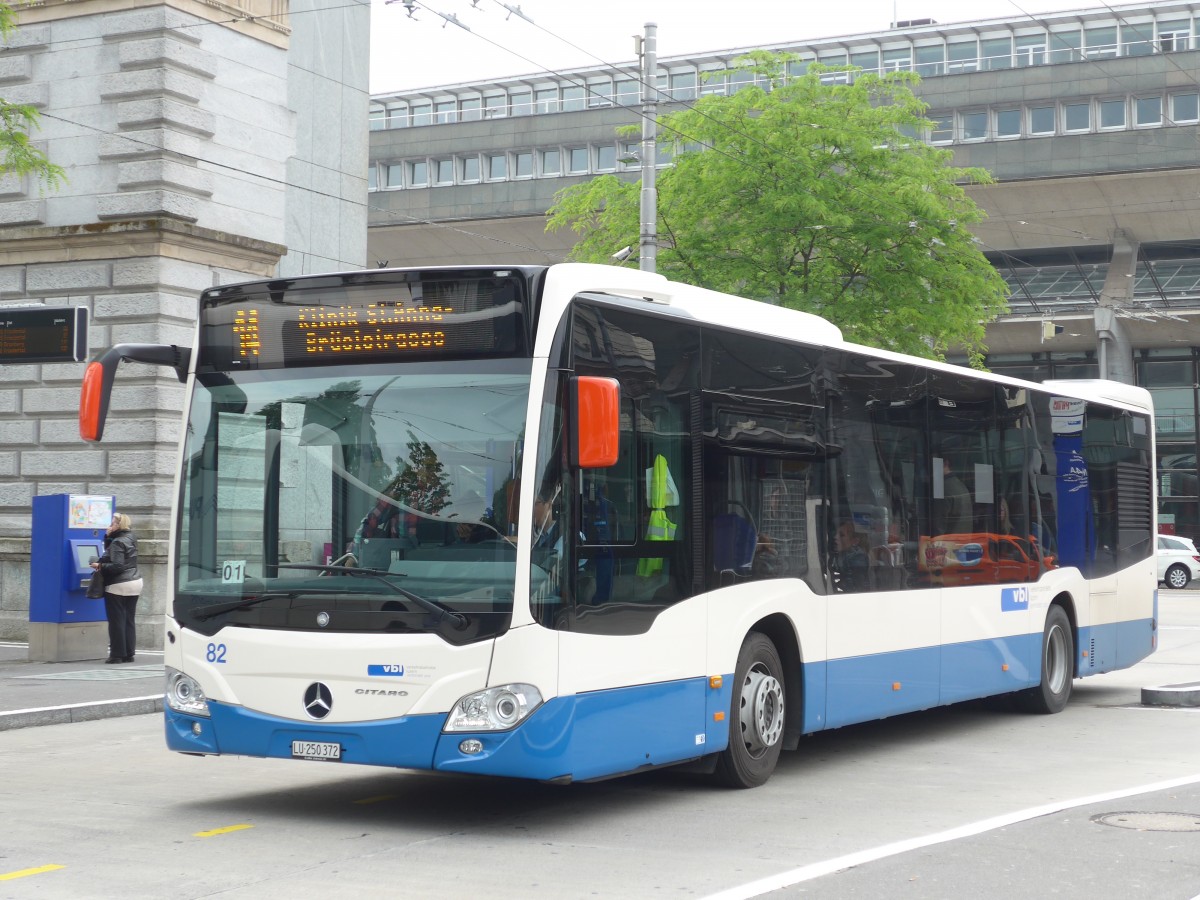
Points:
x=1012, y=599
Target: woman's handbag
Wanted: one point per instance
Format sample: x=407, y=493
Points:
x=95, y=588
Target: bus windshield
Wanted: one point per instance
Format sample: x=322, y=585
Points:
x=352, y=499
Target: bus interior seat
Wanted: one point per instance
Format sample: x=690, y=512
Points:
x=734, y=539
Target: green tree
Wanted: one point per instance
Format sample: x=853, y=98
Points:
x=813, y=196
x=421, y=483
x=17, y=155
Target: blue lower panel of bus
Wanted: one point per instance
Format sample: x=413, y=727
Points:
x=579, y=737
x=407, y=742
x=601, y=733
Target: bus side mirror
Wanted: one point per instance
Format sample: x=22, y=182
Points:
x=596, y=419
x=98, y=379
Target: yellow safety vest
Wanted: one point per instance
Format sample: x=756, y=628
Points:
x=660, y=528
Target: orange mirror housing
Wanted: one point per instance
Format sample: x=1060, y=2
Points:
x=597, y=419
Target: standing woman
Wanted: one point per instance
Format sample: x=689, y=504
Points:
x=122, y=587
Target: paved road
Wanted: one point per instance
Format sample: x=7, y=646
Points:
x=970, y=801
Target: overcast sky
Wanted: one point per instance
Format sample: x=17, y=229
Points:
x=426, y=51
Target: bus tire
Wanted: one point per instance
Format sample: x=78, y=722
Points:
x=1058, y=666
x=755, y=717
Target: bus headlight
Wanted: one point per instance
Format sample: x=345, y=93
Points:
x=184, y=694
x=495, y=709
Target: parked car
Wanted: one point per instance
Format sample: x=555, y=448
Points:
x=1178, y=560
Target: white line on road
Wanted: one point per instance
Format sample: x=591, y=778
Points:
x=838, y=863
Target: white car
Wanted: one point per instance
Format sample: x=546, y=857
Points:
x=1178, y=560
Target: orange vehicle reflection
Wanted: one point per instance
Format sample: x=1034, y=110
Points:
x=981, y=558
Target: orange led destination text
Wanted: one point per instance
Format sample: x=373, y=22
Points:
x=351, y=330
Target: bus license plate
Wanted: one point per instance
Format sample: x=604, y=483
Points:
x=316, y=750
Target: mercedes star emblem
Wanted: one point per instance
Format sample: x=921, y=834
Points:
x=318, y=700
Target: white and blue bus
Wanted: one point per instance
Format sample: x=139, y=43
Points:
x=569, y=522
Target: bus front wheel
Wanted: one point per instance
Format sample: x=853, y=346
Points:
x=756, y=716
x=1058, y=666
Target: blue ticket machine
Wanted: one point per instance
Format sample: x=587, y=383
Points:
x=68, y=533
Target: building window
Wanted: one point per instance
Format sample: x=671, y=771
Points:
x=577, y=160
x=962, y=56
x=600, y=93
x=1031, y=50
x=974, y=125
x=868, y=60
x=372, y=178
x=896, y=60
x=418, y=173
x=1112, y=113
x=997, y=53
x=550, y=163
x=1100, y=42
x=1065, y=46
x=397, y=116
x=931, y=61
x=470, y=168
x=445, y=111
x=943, y=129
x=395, y=175
x=628, y=92
x=606, y=158
x=545, y=100
x=497, y=167
x=1077, y=116
x=521, y=103
x=523, y=164
x=443, y=171
x=713, y=82
x=683, y=85
x=1008, y=123
x=1174, y=36
x=630, y=156
x=573, y=99
x=744, y=79
x=472, y=109
x=1184, y=108
x=1041, y=120
x=1147, y=111
x=1137, y=40
x=378, y=119
x=495, y=106
x=422, y=114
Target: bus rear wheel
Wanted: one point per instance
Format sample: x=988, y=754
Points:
x=756, y=716
x=1058, y=666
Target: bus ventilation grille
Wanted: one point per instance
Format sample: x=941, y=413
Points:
x=1092, y=654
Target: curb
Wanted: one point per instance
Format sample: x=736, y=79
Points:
x=1172, y=695
x=80, y=712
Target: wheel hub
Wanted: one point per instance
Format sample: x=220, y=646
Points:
x=762, y=710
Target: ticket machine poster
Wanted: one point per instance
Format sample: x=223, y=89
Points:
x=87, y=511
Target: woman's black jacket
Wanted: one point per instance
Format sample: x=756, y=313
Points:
x=119, y=562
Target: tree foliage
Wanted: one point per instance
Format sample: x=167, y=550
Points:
x=17, y=155
x=814, y=196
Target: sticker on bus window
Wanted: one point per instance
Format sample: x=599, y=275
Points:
x=233, y=571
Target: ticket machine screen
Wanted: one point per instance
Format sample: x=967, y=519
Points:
x=85, y=554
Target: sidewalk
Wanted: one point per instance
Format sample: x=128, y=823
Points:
x=45, y=693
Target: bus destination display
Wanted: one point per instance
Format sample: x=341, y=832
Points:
x=43, y=335
x=262, y=334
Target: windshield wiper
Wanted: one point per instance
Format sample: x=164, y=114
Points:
x=439, y=610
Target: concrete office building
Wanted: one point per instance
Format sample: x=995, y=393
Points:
x=203, y=143
x=1089, y=120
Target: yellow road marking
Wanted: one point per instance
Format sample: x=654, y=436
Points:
x=225, y=830
x=9, y=876
x=378, y=799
